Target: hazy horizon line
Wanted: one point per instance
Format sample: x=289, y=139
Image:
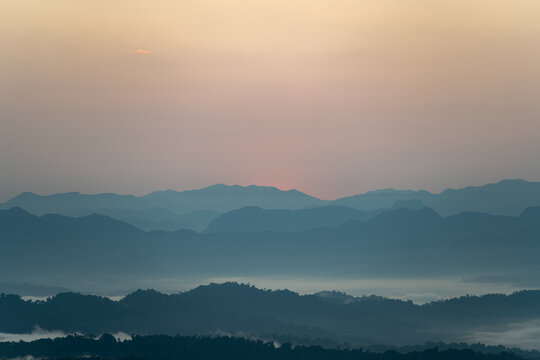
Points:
x=142, y=194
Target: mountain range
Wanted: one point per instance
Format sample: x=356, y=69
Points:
x=196, y=209
x=401, y=242
x=506, y=197
x=482, y=235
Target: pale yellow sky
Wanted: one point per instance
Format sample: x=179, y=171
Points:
x=332, y=97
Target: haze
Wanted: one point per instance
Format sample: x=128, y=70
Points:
x=331, y=97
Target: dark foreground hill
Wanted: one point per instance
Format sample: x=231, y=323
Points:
x=205, y=348
x=247, y=311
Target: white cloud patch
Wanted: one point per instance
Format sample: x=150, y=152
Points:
x=36, y=334
x=523, y=335
x=39, y=333
x=420, y=298
x=27, y=357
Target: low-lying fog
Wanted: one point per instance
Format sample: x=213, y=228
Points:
x=39, y=333
x=524, y=335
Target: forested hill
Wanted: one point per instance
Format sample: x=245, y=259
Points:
x=241, y=309
x=219, y=348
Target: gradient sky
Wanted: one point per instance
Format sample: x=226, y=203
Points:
x=332, y=97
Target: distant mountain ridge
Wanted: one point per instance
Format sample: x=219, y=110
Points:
x=222, y=198
x=255, y=219
x=24, y=289
x=196, y=209
x=218, y=198
x=164, y=210
x=506, y=197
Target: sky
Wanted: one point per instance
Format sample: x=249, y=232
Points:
x=331, y=97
